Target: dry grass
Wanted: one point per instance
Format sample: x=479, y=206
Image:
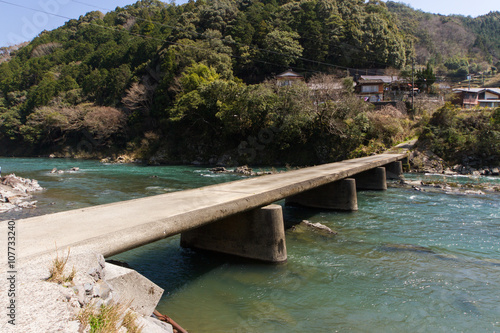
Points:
x=108, y=318
x=57, y=271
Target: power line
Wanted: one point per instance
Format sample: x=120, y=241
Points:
x=33, y=9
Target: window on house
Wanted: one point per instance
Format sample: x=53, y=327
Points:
x=369, y=89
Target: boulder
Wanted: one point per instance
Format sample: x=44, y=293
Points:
x=129, y=286
x=472, y=192
x=20, y=184
x=318, y=226
x=153, y=325
x=14, y=191
x=218, y=169
x=244, y=170
x=426, y=161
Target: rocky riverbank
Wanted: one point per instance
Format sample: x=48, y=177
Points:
x=425, y=161
x=449, y=187
x=80, y=298
x=15, y=192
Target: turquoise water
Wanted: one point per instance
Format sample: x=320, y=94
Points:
x=361, y=280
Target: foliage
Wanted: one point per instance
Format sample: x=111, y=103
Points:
x=191, y=79
x=57, y=271
x=51, y=123
x=457, y=135
x=425, y=78
x=108, y=318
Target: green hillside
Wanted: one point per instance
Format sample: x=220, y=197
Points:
x=455, y=45
x=170, y=83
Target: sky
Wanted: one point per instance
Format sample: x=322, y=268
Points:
x=22, y=20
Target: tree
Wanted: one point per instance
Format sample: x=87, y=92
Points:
x=284, y=46
x=425, y=78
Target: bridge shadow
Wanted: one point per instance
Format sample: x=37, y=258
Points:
x=172, y=267
x=294, y=214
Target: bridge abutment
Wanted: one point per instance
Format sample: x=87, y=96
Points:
x=339, y=195
x=374, y=179
x=256, y=234
x=394, y=170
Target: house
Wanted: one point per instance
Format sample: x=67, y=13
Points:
x=477, y=97
x=287, y=78
x=377, y=88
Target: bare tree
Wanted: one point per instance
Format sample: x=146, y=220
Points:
x=138, y=97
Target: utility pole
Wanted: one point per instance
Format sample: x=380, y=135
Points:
x=468, y=73
x=412, y=84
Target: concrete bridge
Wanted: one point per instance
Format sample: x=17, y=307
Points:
x=235, y=217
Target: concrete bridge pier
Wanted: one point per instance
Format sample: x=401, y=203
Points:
x=373, y=179
x=256, y=234
x=394, y=170
x=339, y=195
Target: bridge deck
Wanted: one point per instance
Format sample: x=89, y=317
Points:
x=113, y=228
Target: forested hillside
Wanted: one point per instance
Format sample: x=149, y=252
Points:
x=170, y=83
x=455, y=45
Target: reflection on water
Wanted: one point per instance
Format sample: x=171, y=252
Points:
x=407, y=261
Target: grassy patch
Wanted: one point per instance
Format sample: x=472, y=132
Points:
x=108, y=318
x=57, y=271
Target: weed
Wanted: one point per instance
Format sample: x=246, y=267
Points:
x=57, y=271
x=108, y=318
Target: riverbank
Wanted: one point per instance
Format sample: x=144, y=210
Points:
x=84, y=291
x=15, y=192
x=448, y=187
x=424, y=161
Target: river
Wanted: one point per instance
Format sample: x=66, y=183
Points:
x=406, y=261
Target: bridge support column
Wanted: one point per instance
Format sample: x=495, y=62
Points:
x=394, y=170
x=256, y=234
x=373, y=179
x=339, y=195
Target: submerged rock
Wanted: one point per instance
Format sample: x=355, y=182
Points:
x=449, y=187
x=219, y=170
x=315, y=226
x=406, y=247
x=241, y=170
x=121, y=160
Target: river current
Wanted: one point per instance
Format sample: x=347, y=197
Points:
x=407, y=261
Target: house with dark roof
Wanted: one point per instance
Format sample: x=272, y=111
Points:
x=477, y=97
x=377, y=88
x=288, y=78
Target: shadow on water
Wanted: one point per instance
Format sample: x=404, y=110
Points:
x=172, y=267
x=294, y=214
